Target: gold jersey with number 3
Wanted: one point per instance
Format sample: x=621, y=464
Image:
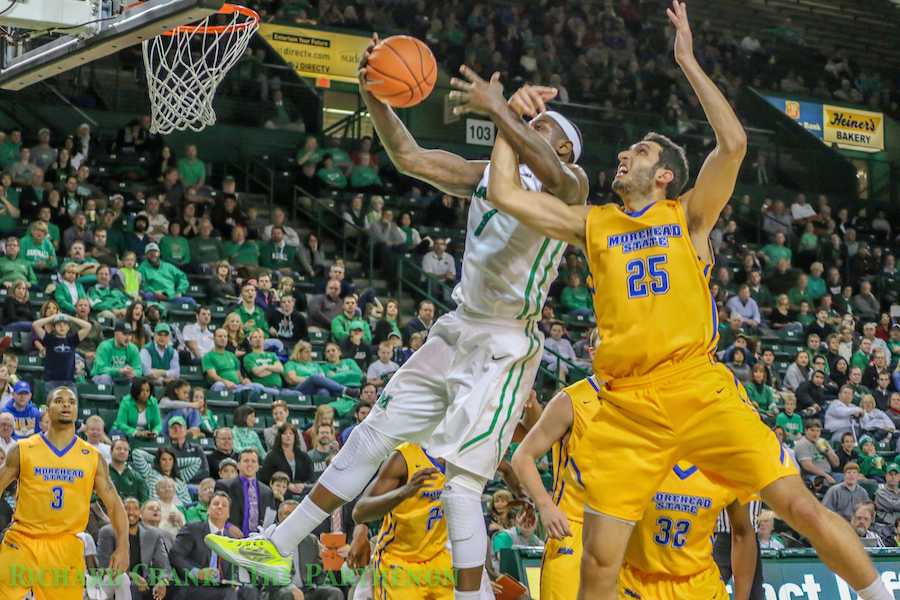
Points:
x=55, y=486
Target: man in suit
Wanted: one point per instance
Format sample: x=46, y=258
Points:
x=149, y=569
x=194, y=562
x=252, y=501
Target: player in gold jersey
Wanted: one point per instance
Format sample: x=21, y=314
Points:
x=411, y=559
x=665, y=397
x=57, y=473
x=559, y=429
x=669, y=556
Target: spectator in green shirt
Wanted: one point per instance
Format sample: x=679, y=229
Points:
x=105, y=298
x=341, y=324
x=816, y=285
x=263, y=367
x=775, y=251
x=330, y=175
x=277, y=255
x=344, y=371
x=576, y=299
x=364, y=177
x=174, y=247
x=68, y=289
x=139, y=415
x=523, y=534
x=862, y=356
x=191, y=169
x=198, y=512
x=307, y=377
x=310, y=152
x=205, y=250
x=13, y=267
x=117, y=359
x=761, y=395
x=223, y=369
x=800, y=292
x=126, y=480
x=789, y=420
x=36, y=249
x=240, y=251
x=162, y=281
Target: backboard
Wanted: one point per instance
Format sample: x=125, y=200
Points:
x=43, y=38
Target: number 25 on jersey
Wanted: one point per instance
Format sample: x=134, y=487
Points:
x=639, y=268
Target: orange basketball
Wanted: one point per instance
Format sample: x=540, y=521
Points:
x=401, y=71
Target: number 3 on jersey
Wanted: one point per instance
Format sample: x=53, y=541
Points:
x=638, y=287
x=678, y=537
x=57, y=498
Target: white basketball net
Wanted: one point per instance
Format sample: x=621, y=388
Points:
x=185, y=67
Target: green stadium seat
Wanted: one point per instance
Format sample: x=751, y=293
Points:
x=180, y=309
x=197, y=291
x=319, y=337
x=108, y=415
x=320, y=400
x=97, y=392
x=192, y=374
x=219, y=312
x=31, y=364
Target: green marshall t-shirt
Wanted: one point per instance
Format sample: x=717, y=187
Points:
x=792, y=425
x=262, y=359
x=225, y=363
x=257, y=316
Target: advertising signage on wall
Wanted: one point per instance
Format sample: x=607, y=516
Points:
x=850, y=128
x=315, y=53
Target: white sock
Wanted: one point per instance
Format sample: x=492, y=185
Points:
x=876, y=591
x=458, y=595
x=299, y=524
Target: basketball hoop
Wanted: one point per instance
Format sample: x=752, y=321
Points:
x=185, y=66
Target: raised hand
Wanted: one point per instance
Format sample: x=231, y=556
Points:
x=475, y=95
x=530, y=100
x=684, y=39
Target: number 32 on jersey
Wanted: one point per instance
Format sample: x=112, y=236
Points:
x=639, y=284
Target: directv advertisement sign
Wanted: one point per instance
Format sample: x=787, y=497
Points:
x=807, y=114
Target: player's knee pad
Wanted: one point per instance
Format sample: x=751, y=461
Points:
x=465, y=524
x=357, y=462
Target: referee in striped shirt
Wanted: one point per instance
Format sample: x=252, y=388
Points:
x=722, y=549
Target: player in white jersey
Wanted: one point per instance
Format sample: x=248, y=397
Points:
x=464, y=390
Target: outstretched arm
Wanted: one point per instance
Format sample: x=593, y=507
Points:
x=446, y=171
x=108, y=495
x=568, y=182
x=554, y=424
x=540, y=211
x=716, y=179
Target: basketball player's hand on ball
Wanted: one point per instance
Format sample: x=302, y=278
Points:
x=361, y=71
x=475, y=95
x=684, y=40
x=530, y=100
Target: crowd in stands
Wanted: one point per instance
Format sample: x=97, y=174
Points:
x=606, y=52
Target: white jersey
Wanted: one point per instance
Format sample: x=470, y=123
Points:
x=507, y=267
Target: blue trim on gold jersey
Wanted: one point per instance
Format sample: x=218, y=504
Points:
x=55, y=450
x=684, y=473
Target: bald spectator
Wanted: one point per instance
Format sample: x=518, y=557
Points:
x=279, y=219
x=865, y=304
x=323, y=308
x=439, y=264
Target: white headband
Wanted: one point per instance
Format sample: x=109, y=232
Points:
x=568, y=128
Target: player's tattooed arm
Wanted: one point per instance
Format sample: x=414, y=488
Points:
x=540, y=211
x=9, y=471
x=716, y=179
x=568, y=182
x=106, y=491
x=743, y=549
x=450, y=173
